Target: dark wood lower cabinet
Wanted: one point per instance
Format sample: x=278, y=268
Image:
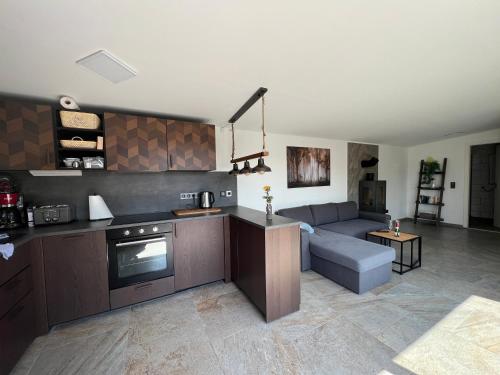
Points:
x=76, y=275
x=265, y=265
x=141, y=292
x=17, y=331
x=198, y=252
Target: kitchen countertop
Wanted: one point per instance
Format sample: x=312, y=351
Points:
x=258, y=218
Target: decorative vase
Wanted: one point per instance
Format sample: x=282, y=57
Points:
x=269, y=210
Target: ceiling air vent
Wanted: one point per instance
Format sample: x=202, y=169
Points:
x=107, y=66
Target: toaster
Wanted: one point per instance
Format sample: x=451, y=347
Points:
x=53, y=214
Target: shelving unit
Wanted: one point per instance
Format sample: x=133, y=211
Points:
x=429, y=216
x=86, y=134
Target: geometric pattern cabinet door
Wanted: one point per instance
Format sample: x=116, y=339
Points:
x=191, y=146
x=135, y=143
x=26, y=136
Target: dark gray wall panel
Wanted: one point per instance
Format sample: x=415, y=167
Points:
x=126, y=193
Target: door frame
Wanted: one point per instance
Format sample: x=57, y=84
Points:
x=467, y=167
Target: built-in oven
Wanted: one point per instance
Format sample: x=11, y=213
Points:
x=139, y=253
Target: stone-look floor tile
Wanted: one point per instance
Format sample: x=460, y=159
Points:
x=171, y=355
x=256, y=351
x=212, y=291
x=63, y=334
x=228, y=314
x=25, y=364
x=340, y=347
x=401, y=334
x=441, y=352
x=374, y=316
x=98, y=354
x=172, y=317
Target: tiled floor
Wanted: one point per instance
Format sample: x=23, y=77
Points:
x=442, y=318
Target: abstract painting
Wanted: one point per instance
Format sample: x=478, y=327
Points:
x=308, y=166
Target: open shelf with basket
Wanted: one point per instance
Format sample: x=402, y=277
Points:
x=80, y=140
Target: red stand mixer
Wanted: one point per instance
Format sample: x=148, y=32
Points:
x=11, y=204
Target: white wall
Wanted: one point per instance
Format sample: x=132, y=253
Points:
x=392, y=167
x=457, y=150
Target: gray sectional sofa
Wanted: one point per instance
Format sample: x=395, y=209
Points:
x=337, y=249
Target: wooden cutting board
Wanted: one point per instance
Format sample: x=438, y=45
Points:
x=196, y=211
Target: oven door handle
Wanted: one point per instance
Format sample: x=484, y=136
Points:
x=130, y=243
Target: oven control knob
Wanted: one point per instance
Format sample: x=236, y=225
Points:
x=126, y=233
x=141, y=231
x=155, y=229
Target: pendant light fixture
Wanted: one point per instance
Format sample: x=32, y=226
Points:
x=235, y=171
x=261, y=167
x=246, y=170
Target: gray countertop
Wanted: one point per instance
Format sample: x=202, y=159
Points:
x=258, y=218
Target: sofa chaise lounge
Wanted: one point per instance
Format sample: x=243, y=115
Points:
x=337, y=249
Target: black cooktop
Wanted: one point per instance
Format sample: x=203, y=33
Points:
x=142, y=218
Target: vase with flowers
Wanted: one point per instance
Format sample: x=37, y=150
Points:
x=269, y=199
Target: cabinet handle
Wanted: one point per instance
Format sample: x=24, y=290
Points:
x=13, y=283
x=175, y=230
x=170, y=160
x=69, y=237
x=143, y=286
x=15, y=312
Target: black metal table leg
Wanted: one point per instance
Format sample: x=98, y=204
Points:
x=411, y=254
x=401, y=260
x=420, y=251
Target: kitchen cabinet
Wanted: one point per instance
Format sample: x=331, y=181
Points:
x=26, y=136
x=265, y=265
x=17, y=331
x=17, y=312
x=191, y=146
x=198, y=252
x=76, y=275
x=135, y=143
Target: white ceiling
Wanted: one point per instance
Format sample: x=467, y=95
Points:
x=384, y=71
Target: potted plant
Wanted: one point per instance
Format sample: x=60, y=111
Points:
x=269, y=198
x=431, y=166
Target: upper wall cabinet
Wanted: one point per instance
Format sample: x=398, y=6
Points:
x=135, y=143
x=26, y=136
x=191, y=146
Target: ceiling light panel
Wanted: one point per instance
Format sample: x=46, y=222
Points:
x=107, y=66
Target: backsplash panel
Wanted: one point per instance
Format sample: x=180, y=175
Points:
x=126, y=193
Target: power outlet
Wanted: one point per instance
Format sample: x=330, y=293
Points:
x=229, y=193
x=189, y=195
x=222, y=193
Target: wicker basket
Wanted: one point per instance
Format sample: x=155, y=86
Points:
x=77, y=142
x=80, y=120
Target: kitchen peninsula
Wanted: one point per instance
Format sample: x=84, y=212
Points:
x=63, y=270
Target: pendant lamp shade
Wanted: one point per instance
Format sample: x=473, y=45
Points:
x=235, y=170
x=261, y=167
x=246, y=170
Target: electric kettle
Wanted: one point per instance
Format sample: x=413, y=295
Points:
x=207, y=199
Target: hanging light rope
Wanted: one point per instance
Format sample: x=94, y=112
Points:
x=232, y=132
x=263, y=126
x=235, y=169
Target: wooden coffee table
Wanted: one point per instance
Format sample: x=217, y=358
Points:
x=386, y=238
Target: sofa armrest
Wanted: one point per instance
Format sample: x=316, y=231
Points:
x=375, y=216
x=305, y=255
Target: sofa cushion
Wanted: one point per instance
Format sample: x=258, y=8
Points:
x=302, y=213
x=347, y=210
x=355, y=228
x=350, y=252
x=324, y=213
